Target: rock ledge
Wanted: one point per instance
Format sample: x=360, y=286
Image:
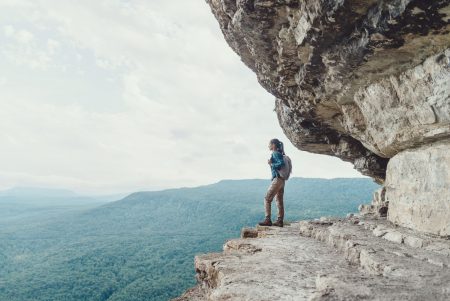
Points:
x=353, y=258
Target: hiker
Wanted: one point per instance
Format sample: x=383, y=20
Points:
x=276, y=188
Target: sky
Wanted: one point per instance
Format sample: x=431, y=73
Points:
x=126, y=95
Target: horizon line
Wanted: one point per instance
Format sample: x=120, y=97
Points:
x=55, y=188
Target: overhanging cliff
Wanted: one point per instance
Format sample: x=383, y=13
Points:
x=360, y=80
x=368, y=82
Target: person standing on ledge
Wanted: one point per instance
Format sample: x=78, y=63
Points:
x=276, y=187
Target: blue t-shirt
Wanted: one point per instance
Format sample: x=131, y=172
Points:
x=277, y=163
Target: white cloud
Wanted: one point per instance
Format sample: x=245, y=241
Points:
x=21, y=36
x=106, y=96
x=20, y=47
x=24, y=36
x=52, y=46
x=8, y=30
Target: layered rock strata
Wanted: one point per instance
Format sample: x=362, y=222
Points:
x=360, y=80
x=329, y=259
x=418, y=188
x=366, y=81
x=379, y=205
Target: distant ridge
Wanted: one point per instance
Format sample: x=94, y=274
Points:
x=142, y=245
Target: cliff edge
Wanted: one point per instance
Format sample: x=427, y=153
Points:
x=355, y=258
x=368, y=82
x=361, y=257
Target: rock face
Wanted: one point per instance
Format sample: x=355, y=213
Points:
x=417, y=188
x=379, y=206
x=329, y=259
x=366, y=81
x=360, y=80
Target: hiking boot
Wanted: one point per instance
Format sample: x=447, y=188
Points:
x=266, y=222
x=278, y=223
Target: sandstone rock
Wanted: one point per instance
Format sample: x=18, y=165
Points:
x=380, y=231
x=394, y=236
x=238, y=245
x=417, y=188
x=314, y=261
x=249, y=233
x=335, y=288
x=368, y=82
x=360, y=80
x=414, y=242
x=193, y=294
x=379, y=205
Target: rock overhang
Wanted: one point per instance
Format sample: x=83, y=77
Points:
x=346, y=74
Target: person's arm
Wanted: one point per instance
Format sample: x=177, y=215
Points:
x=277, y=160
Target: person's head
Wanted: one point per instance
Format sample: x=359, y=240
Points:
x=276, y=145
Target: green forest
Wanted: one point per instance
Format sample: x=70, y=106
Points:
x=142, y=247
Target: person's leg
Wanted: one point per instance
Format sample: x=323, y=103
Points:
x=280, y=205
x=270, y=194
x=280, y=201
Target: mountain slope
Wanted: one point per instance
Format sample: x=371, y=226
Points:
x=141, y=247
x=27, y=206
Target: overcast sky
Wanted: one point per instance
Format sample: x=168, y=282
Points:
x=124, y=95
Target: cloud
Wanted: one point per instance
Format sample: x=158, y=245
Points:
x=20, y=47
x=108, y=96
x=8, y=30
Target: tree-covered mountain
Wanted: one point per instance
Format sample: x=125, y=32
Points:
x=26, y=206
x=142, y=247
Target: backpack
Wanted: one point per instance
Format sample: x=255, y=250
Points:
x=286, y=170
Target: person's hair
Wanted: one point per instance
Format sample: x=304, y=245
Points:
x=278, y=144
